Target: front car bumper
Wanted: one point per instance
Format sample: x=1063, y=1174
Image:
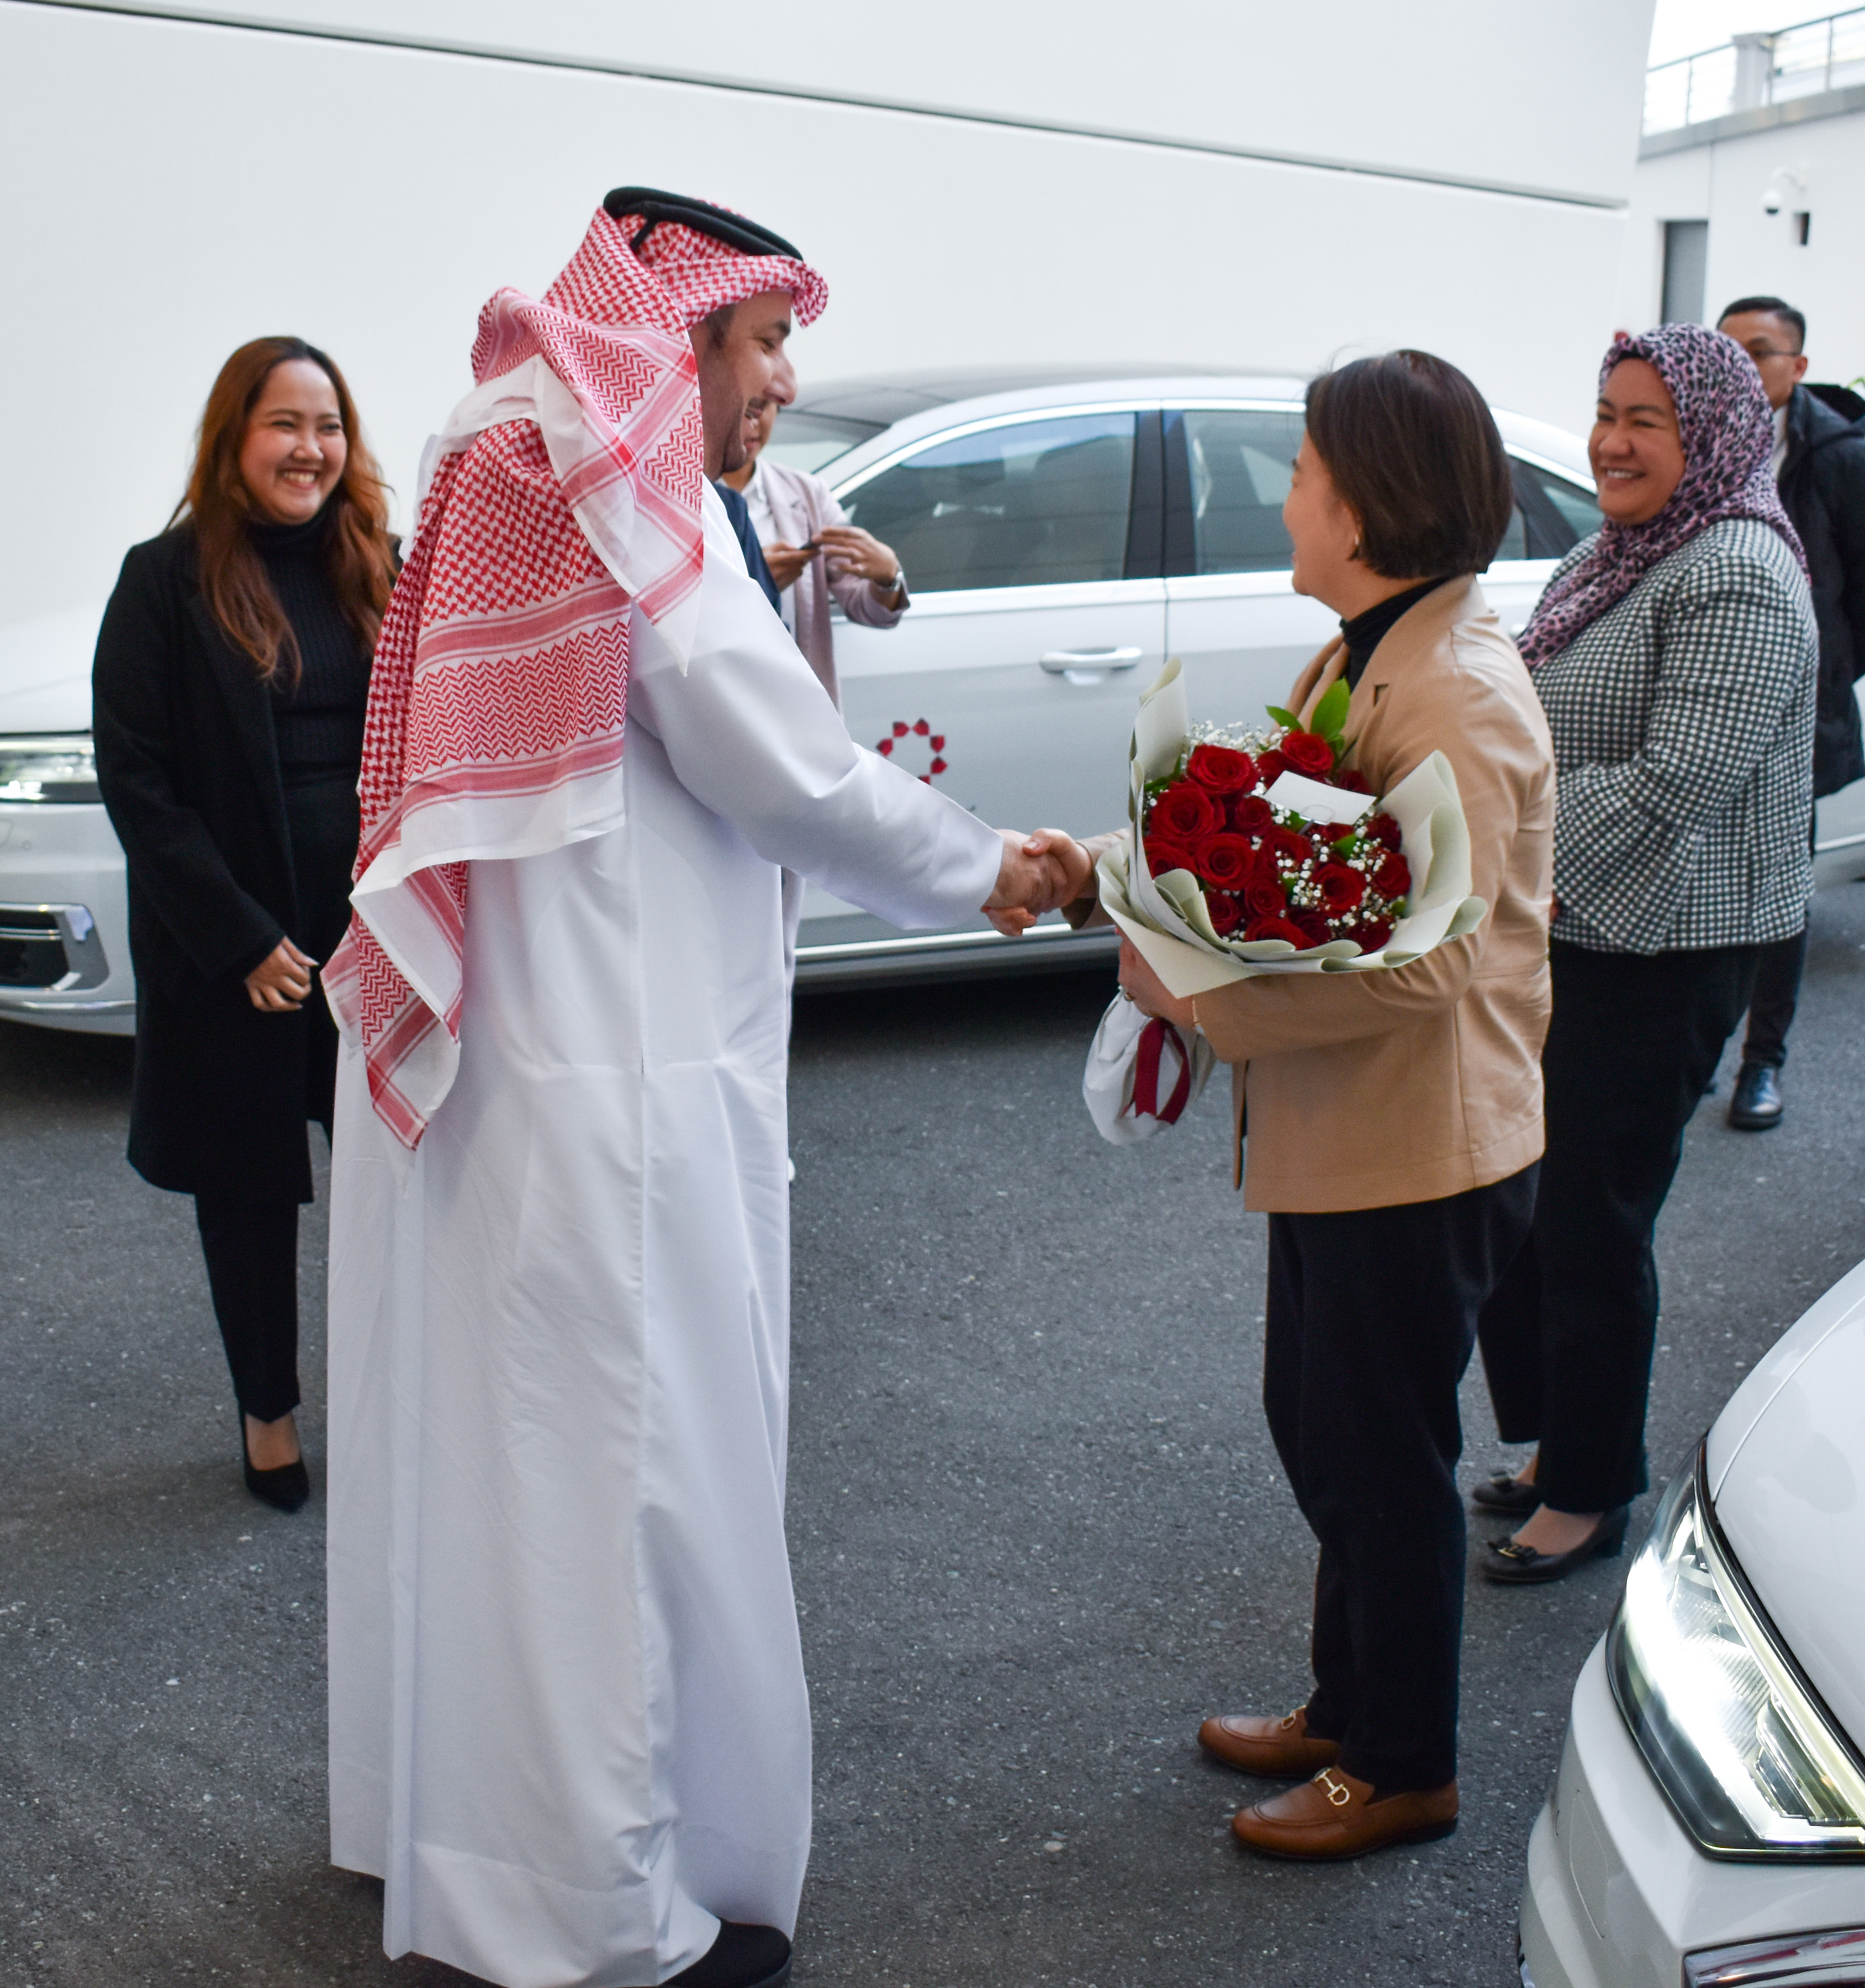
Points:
x=64, y=920
x=1617, y=1892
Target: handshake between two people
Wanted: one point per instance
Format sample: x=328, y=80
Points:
x=1040, y=873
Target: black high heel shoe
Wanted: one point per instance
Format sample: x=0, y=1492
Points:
x=743, y=1956
x=286, y=1488
x=1515, y=1565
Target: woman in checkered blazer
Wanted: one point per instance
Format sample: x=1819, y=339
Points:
x=1675, y=652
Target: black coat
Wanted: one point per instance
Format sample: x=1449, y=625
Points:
x=1822, y=484
x=188, y=760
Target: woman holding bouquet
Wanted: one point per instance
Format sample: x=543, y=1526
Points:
x=1394, y=1118
x=1677, y=656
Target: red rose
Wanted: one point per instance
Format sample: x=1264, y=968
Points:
x=1270, y=767
x=1382, y=828
x=1394, y=877
x=1185, y=813
x=1264, y=898
x=1275, y=928
x=1373, y=934
x=1326, y=832
x=1250, y=814
x=1342, y=887
x=1317, y=930
x=1286, y=845
x=1308, y=752
x=1164, y=853
x=1225, y=860
x=1220, y=770
x=1351, y=780
x=1227, y=913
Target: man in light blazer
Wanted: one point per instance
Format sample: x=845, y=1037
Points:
x=814, y=553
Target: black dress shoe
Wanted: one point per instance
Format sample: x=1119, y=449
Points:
x=287, y=1487
x=1756, y=1106
x=1514, y=1565
x=1504, y=1493
x=743, y=1956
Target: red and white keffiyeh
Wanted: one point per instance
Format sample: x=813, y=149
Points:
x=565, y=490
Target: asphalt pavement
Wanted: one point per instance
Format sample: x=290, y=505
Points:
x=1038, y=1528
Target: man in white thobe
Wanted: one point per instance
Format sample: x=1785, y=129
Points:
x=568, y=1720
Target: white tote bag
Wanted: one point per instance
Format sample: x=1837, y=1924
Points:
x=1142, y=1073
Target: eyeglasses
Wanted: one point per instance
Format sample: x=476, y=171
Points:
x=701, y=215
x=1758, y=353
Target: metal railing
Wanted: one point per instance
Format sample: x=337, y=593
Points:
x=1755, y=70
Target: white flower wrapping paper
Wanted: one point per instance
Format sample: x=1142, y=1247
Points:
x=1111, y=1079
x=1165, y=917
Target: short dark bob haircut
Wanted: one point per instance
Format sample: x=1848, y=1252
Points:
x=1412, y=446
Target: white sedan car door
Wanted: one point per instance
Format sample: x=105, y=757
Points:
x=1011, y=682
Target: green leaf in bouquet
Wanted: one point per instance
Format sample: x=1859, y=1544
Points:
x=1286, y=719
x=1331, y=714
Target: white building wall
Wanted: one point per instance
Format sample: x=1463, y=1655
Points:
x=180, y=186
x=1752, y=252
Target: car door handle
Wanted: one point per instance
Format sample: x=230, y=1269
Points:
x=1088, y=666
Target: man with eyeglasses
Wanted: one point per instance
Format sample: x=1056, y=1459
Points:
x=1819, y=465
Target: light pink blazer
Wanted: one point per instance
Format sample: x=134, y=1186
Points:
x=802, y=504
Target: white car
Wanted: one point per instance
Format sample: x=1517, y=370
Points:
x=1060, y=539
x=1707, y=1826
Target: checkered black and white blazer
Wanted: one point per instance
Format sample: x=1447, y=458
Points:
x=1683, y=724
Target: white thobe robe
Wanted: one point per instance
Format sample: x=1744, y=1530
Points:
x=568, y=1722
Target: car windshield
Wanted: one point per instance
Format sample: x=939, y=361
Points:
x=806, y=441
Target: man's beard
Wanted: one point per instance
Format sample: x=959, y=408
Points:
x=734, y=454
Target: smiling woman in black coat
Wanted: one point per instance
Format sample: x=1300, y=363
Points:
x=231, y=680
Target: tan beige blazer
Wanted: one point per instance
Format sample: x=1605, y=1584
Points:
x=1364, y=1090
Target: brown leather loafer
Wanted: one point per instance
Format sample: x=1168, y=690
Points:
x=1279, y=1749
x=1334, y=1817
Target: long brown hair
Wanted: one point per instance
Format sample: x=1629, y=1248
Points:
x=218, y=508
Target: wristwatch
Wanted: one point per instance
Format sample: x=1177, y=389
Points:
x=896, y=585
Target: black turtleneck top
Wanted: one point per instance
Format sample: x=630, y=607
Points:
x=318, y=720
x=1364, y=632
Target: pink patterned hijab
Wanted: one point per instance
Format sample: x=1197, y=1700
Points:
x=1727, y=433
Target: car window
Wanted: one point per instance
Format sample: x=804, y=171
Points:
x=1239, y=462
x=1552, y=514
x=806, y=441
x=1027, y=503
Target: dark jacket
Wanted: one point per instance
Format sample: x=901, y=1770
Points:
x=738, y=512
x=188, y=761
x=1822, y=484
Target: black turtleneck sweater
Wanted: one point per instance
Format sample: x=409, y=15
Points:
x=318, y=720
x=1364, y=632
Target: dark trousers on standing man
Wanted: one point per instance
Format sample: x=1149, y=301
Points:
x=1371, y=1318
x=1633, y=1041
x=252, y=1252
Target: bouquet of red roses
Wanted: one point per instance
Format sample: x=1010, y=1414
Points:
x=1255, y=851
x=1298, y=859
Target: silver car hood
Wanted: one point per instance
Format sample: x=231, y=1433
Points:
x=1787, y=1473
x=45, y=671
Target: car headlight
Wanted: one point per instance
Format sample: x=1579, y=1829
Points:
x=1735, y=1736
x=45, y=766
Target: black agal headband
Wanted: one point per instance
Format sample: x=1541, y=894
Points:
x=732, y=229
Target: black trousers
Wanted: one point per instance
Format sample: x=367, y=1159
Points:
x=252, y=1252
x=1567, y=1338
x=1777, y=994
x=1371, y=1317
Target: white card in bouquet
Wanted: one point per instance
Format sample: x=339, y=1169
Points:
x=1314, y=800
